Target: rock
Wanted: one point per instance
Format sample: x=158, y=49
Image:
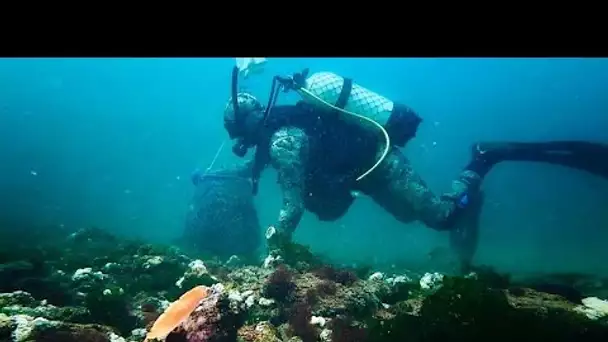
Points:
x=357, y=299
x=111, y=309
x=265, y=301
x=431, y=281
x=23, y=328
x=594, y=308
x=20, y=298
x=261, y=332
x=318, y=320
x=153, y=261
x=5, y=327
x=466, y=309
x=196, y=274
x=214, y=317
x=376, y=276
x=233, y=262
x=138, y=334
x=67, y=314
x=325, y=335
x=15, y=267
x=123, y=286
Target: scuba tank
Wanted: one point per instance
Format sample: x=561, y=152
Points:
x=332, y=88
x=397, y=122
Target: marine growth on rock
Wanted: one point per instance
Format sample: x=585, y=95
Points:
x=104, y=289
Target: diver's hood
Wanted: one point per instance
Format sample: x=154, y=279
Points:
x=243, y=123
x=235, y=121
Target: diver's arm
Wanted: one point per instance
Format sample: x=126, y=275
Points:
x=288, y=154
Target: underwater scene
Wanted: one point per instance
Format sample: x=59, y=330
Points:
x=262, y=199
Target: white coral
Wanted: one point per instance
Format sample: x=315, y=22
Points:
x=197, y=267
x=594, y=308
x=271, y=260
x=265, y=301
x=153, y=261
x=81, y=273
x=376, y=276
x=431, y=281
x=87, y=273
x=23, y=328
x=318, y=320
x=398, y=280
x=115, y=338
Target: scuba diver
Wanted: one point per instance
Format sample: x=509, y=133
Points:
x=326, y=149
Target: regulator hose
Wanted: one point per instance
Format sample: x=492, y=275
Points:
x=387, y=139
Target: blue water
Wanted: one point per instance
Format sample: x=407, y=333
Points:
x=112, y=143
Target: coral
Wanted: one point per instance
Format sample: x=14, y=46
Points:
x=249, y=277
x=342, y=276
x=77, y=333
x=300, y=315
x=431, y=281
x=299, y=256
x=93, y=278
x=261, y=332
x=594, y=308
x=196, y=274
x=233, y=262
x=67, y=314
x=5, y=327
x=395, y=289
x=280, y=286
x=327, y=288
x=311, y=296
x=32, y=275
x=357, y=298
x=22, y=303
x=22, y=328
x=344, y=330
x=466, y=309
x=20, y=298
x=112, y=309
x=149, y=312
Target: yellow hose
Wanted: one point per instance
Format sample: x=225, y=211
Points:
x=386, y=137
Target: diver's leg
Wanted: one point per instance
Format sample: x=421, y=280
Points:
x=400, y=190
x=464, y=235
x=464, y=218
x=587, y=156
